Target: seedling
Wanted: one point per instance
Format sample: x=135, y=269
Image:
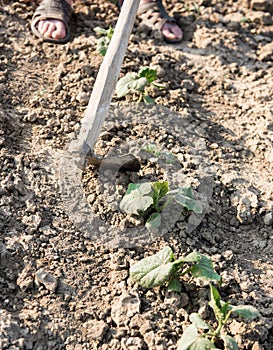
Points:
x=158, y=155
x=104, y=41
x=163, y=269
x=148, y=199
x=139, y=83
x=200, y=335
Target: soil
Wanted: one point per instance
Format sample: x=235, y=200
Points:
x=65, y=247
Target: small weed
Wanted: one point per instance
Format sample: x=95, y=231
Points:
x=158, y=155
x=163, y=268
x=104, y=41
x=148, y=199
x=139, y=83
x=245, y=20
x=200, y=335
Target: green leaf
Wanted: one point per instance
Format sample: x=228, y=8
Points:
x=148, y=73
x=187, y=202
x=153, y=222
x=174, y=285
x=100, y=30
x=215, y=303
x=106, y=32
x=198, y=321
x=246, y=311
x=124, y=84
x=148, y=99
x=139, y=84
x=154, y=270
x=160, y=189
x=138, y=199
x=102, y=45
x=229, y=342
x=204, y=269
x=190, y=340
x=225, y=308
x=192, y=257
x=167, y=157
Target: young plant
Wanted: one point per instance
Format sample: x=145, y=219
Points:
x=163, y=268
x=104, y=41
x=148, y=199
x=158, y=155
x=200, y=335
x=139, y=83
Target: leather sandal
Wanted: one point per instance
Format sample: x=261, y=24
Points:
x=52, y=9
x=154, y=16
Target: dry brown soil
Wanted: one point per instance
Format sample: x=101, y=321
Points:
x=62, y=288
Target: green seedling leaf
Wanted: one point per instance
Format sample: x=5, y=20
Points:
x=137, y=199
x=198, y=321
x=103, y=42
x=229, y=342
x=184, y=197
x=192, y=257
x=160, y=189
x=167, y=157
x=151, y=149
x=215, y=303
x=100, y=30
x=190, y=204
x=148, y=99
x=204, y=269
x=102, y=45
x=174, y=285
x=246, y=311
x=148, y=73
x=191, y=340
x=153, y=222
x=154, y=270
x=124, y=85
x=139, y=84
x=188, y=338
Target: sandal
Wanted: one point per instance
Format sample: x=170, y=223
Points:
x=154, y=15
x=52, y=9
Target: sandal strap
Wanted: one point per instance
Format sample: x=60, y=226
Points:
x=53, y=9
x=154, y=15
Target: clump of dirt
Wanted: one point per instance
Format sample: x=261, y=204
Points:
x=60, y=286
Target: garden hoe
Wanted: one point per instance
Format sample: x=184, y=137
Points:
x=82, y=149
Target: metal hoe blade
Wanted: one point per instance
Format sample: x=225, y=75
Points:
x=103, y=90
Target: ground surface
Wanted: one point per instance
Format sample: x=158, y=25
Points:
x=61, y=290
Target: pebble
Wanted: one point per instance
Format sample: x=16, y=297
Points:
x=83, y=98
x=125, y=307
x=47, y=280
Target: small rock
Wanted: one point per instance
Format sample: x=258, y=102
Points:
x=47, y=279
x=265, y=52
x=268, y=218
x=125, y=307
x=96, y=329
x=133, y=343
x=25, y=280
x=83, y=98
x=261, y=5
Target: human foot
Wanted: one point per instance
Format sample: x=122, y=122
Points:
x=51, y=20
x=155, y=16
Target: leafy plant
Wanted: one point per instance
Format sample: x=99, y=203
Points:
x=149, y=199
x=200, y=335
x=157, y=154
x=139, y=83
x=163, y=268
x=104, y=41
